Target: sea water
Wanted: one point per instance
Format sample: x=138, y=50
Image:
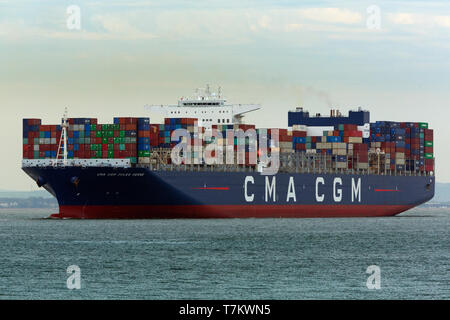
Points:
x=225, y=258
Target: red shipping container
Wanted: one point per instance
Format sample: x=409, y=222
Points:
x=104, y=147
x=355, y=133
x=282, y=132
x=428, y=149
x=301, y=134
x=350, y=127
x=428, y=132
x=144, y=134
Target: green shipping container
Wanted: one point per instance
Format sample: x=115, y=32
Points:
x=428, y=156
x=122, y=134
x=98, y=134
x=143, y=153
x=104, y=127
x=428, y=143
x=93, y=127
x=98, y=154
x=116, y=127
x=110, y=147
x=105, y=140
x=122, y=147
x=81, y=134
x=423, y=125
x=25, y=140
x=116, y=140
x=421, y=135
x=110, y=154
x=110, y=134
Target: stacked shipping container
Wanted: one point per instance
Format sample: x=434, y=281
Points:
x=399, y=146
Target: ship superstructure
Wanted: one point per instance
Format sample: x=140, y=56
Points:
x=210, y=108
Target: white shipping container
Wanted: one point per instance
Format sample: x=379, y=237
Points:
x=299, y=127
x=340, y=152
x=341, y=165
x=145, y=160
x=362, y=165
x=354, y=140
x=286, y=145
x=339, y=145
x=317, y=131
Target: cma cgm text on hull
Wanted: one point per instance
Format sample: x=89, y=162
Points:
x=270, y=193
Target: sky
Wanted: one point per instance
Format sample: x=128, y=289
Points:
x=388, y=57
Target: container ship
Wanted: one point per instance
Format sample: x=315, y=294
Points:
x=326, y=166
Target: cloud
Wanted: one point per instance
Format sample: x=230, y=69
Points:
x=117, y=26
x=421, y=20
x=404, y=18
x=331, y=15
x=443, y=21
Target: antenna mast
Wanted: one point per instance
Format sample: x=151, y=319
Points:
x=63, y=140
